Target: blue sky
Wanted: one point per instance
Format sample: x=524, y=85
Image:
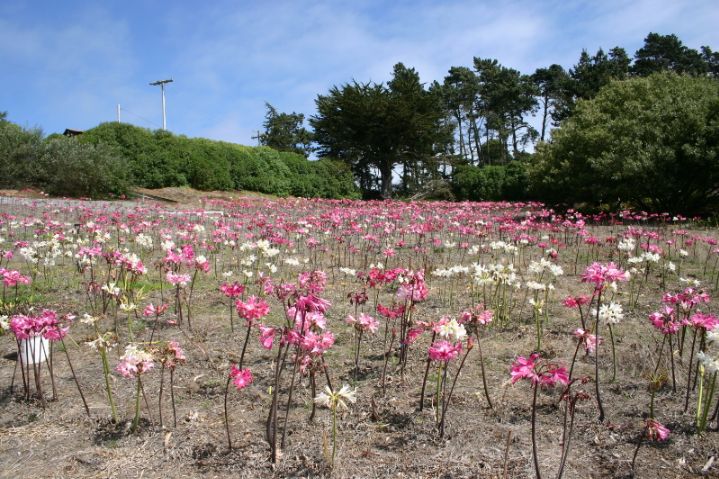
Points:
x=67, y=64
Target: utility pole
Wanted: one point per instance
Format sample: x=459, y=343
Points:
x=162, y=83
x=258, y=138
x=118, y=113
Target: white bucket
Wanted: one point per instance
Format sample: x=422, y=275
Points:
x=33, y=350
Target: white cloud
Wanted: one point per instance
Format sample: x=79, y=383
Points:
x=228, y=58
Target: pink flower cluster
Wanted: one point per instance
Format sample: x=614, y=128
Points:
x=134, y=362
x=601, y=275
x=313, y=282
x=665, y=320
x=415, y=290
x=241, y=378
x=172, y=355
x=589, y=341
x=365, y=322
x=687, y=299
x=390, y=313
x=177, y=279
x=538, y=371
x=156, y=311
x=477, y=315
x=232, y=290
x=656, y=431
x=444, y=351
x=47, y=325
x=575, y=301
x=252, y=309
x=704, y=321
x=11, y=278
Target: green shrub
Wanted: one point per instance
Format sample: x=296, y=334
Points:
x=158, y=159
x=650, y=143
x=491, y=182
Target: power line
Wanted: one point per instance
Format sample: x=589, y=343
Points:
x=125, y=110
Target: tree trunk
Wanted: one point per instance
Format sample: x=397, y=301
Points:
x=544, y=117
x=458, y=115
x=386, y=172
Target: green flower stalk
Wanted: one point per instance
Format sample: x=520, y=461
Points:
x=336, y=400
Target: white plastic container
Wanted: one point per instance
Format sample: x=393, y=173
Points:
x=34, y=350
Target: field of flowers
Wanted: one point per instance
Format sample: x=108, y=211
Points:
x=317, y=338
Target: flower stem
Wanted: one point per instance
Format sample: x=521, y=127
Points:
x=136, y=420
x=534, y=432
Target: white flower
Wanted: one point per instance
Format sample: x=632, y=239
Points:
x=292, y=261
x=611, y=313
x=710, y=363
x=144, y=241
x=453, y=331
x=332, y=400
x=87, y=319
x=4, y=323
x=627, y=245
x=535, y=286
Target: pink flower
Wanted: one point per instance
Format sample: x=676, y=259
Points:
x=477, y=315
x=152, y=310
x=704, y=321
x=180, y=280
x=444, y=351
x=554, y=376
x=46, y=325
x=12, y=278
x=523, y=368
x=665, y=320
x=241, y=378
x=232, y=290
x=252, y=309
x=135, y=361
x=538, y=371
x=600, y=274
x=656, y=431
x=412, y=335
x=365, y=322
x=267, y=336
x=172, y=355
x=390, y=313
x=575, y=301
x=415, y=292
x=311, y=302
x=589, y=341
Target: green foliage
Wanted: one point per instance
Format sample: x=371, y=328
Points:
x=285, y=132
x=67, y=167
x=159, y=159
x=58, y=165
x=646, y=142
x=374, y=127
x=667, y=53
x=491, y=182
x=19, y=150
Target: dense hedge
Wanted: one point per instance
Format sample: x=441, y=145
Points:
x=650, y=143
x=158, y=159
x=58, y=165
x=491, y=182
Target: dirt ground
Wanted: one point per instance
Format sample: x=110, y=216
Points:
x=382, y=435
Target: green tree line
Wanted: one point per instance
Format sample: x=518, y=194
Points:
x=492, y=132
x=112, y=157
